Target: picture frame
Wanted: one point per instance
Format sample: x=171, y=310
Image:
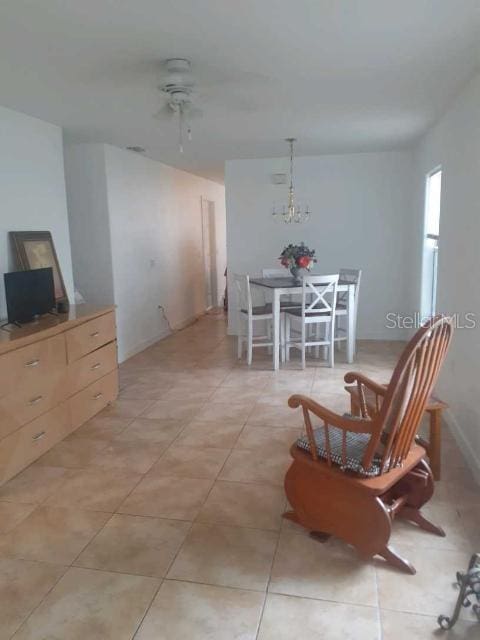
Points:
x=36, y=250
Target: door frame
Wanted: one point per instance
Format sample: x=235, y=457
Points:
x=207, y=213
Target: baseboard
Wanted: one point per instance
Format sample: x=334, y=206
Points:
x=178, y=326
x=183, y=324
x=387, y=336
x=144, y=345
x=472, y=460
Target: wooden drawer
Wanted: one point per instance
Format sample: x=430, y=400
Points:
x=87, y=403
x=24, y=446
x=26, y=367
x=91, y=367
x=90, y=336
x=31, y=400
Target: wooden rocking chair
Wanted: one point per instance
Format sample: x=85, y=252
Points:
x=350, y=477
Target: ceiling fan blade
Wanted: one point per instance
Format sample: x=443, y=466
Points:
x=193, y=112
x=164, y=112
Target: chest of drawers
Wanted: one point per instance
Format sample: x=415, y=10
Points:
x=55, y=375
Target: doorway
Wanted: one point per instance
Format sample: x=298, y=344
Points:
x=431, y=236
x=209, y=241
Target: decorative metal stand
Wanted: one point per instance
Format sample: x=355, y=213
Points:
x=469, y=584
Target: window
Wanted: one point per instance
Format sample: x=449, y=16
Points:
x=433, y=193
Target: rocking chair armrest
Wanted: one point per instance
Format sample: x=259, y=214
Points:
x=357, y=425
x=354, y=376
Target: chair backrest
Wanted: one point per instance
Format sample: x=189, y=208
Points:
x=243, y=292
x=350, y=276
x=274, y=273
x=408, y=391
x=319, y=295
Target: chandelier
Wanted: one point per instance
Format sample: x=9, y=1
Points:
x=292, y=211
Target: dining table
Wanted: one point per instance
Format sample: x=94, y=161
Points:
x=288, y=286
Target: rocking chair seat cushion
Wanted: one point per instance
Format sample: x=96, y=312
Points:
x=356, y=443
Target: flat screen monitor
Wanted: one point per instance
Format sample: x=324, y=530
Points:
x=29, y=294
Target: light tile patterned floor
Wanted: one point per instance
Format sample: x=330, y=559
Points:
x=160, y=519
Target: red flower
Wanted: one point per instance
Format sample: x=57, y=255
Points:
x=303, y=261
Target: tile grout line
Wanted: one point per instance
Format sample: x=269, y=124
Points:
x=232, y=368
x=260, y=620
x=28, y=616
x=147, y=609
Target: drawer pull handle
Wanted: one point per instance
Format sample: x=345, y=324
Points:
x=95, y=334
x=96, y=366
x=39, y=436
x=35, y=400
x=98, y=396
x=32, y=363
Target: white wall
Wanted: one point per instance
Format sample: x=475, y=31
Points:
x=151, y=215
x=361, y=218
x=87, y=199
x=32, y=189
x=454, y=143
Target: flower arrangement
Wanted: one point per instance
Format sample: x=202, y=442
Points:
x=296, y=257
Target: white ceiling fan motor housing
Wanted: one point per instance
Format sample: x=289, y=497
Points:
x=178, y=82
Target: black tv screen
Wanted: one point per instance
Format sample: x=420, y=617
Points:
x=29, y=294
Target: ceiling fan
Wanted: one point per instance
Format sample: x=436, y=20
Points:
x=214, y=88
x=178, y=84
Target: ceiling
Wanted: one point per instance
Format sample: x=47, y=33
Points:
x=340, y=75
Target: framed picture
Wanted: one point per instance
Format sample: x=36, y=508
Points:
x=35, y=250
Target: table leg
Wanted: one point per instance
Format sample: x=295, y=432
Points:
x=350, y=324
x=435, y=444
x=276, y=329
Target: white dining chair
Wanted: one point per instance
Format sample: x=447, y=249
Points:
x=248, y=315
x=281, y=273
x=319, y=299
x=289, y=303
x=346, y=276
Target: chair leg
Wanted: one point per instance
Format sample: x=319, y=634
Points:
x=415, y=515
x=288, y=326
x=317, y=339
x=336, y=333
x=331, y=351
x=282, y=337
x=397, y=561
x=240, y=336
x=303, y=345
x=269, y=335
x=250, y=342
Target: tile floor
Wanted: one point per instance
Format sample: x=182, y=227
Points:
x=160, y=519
